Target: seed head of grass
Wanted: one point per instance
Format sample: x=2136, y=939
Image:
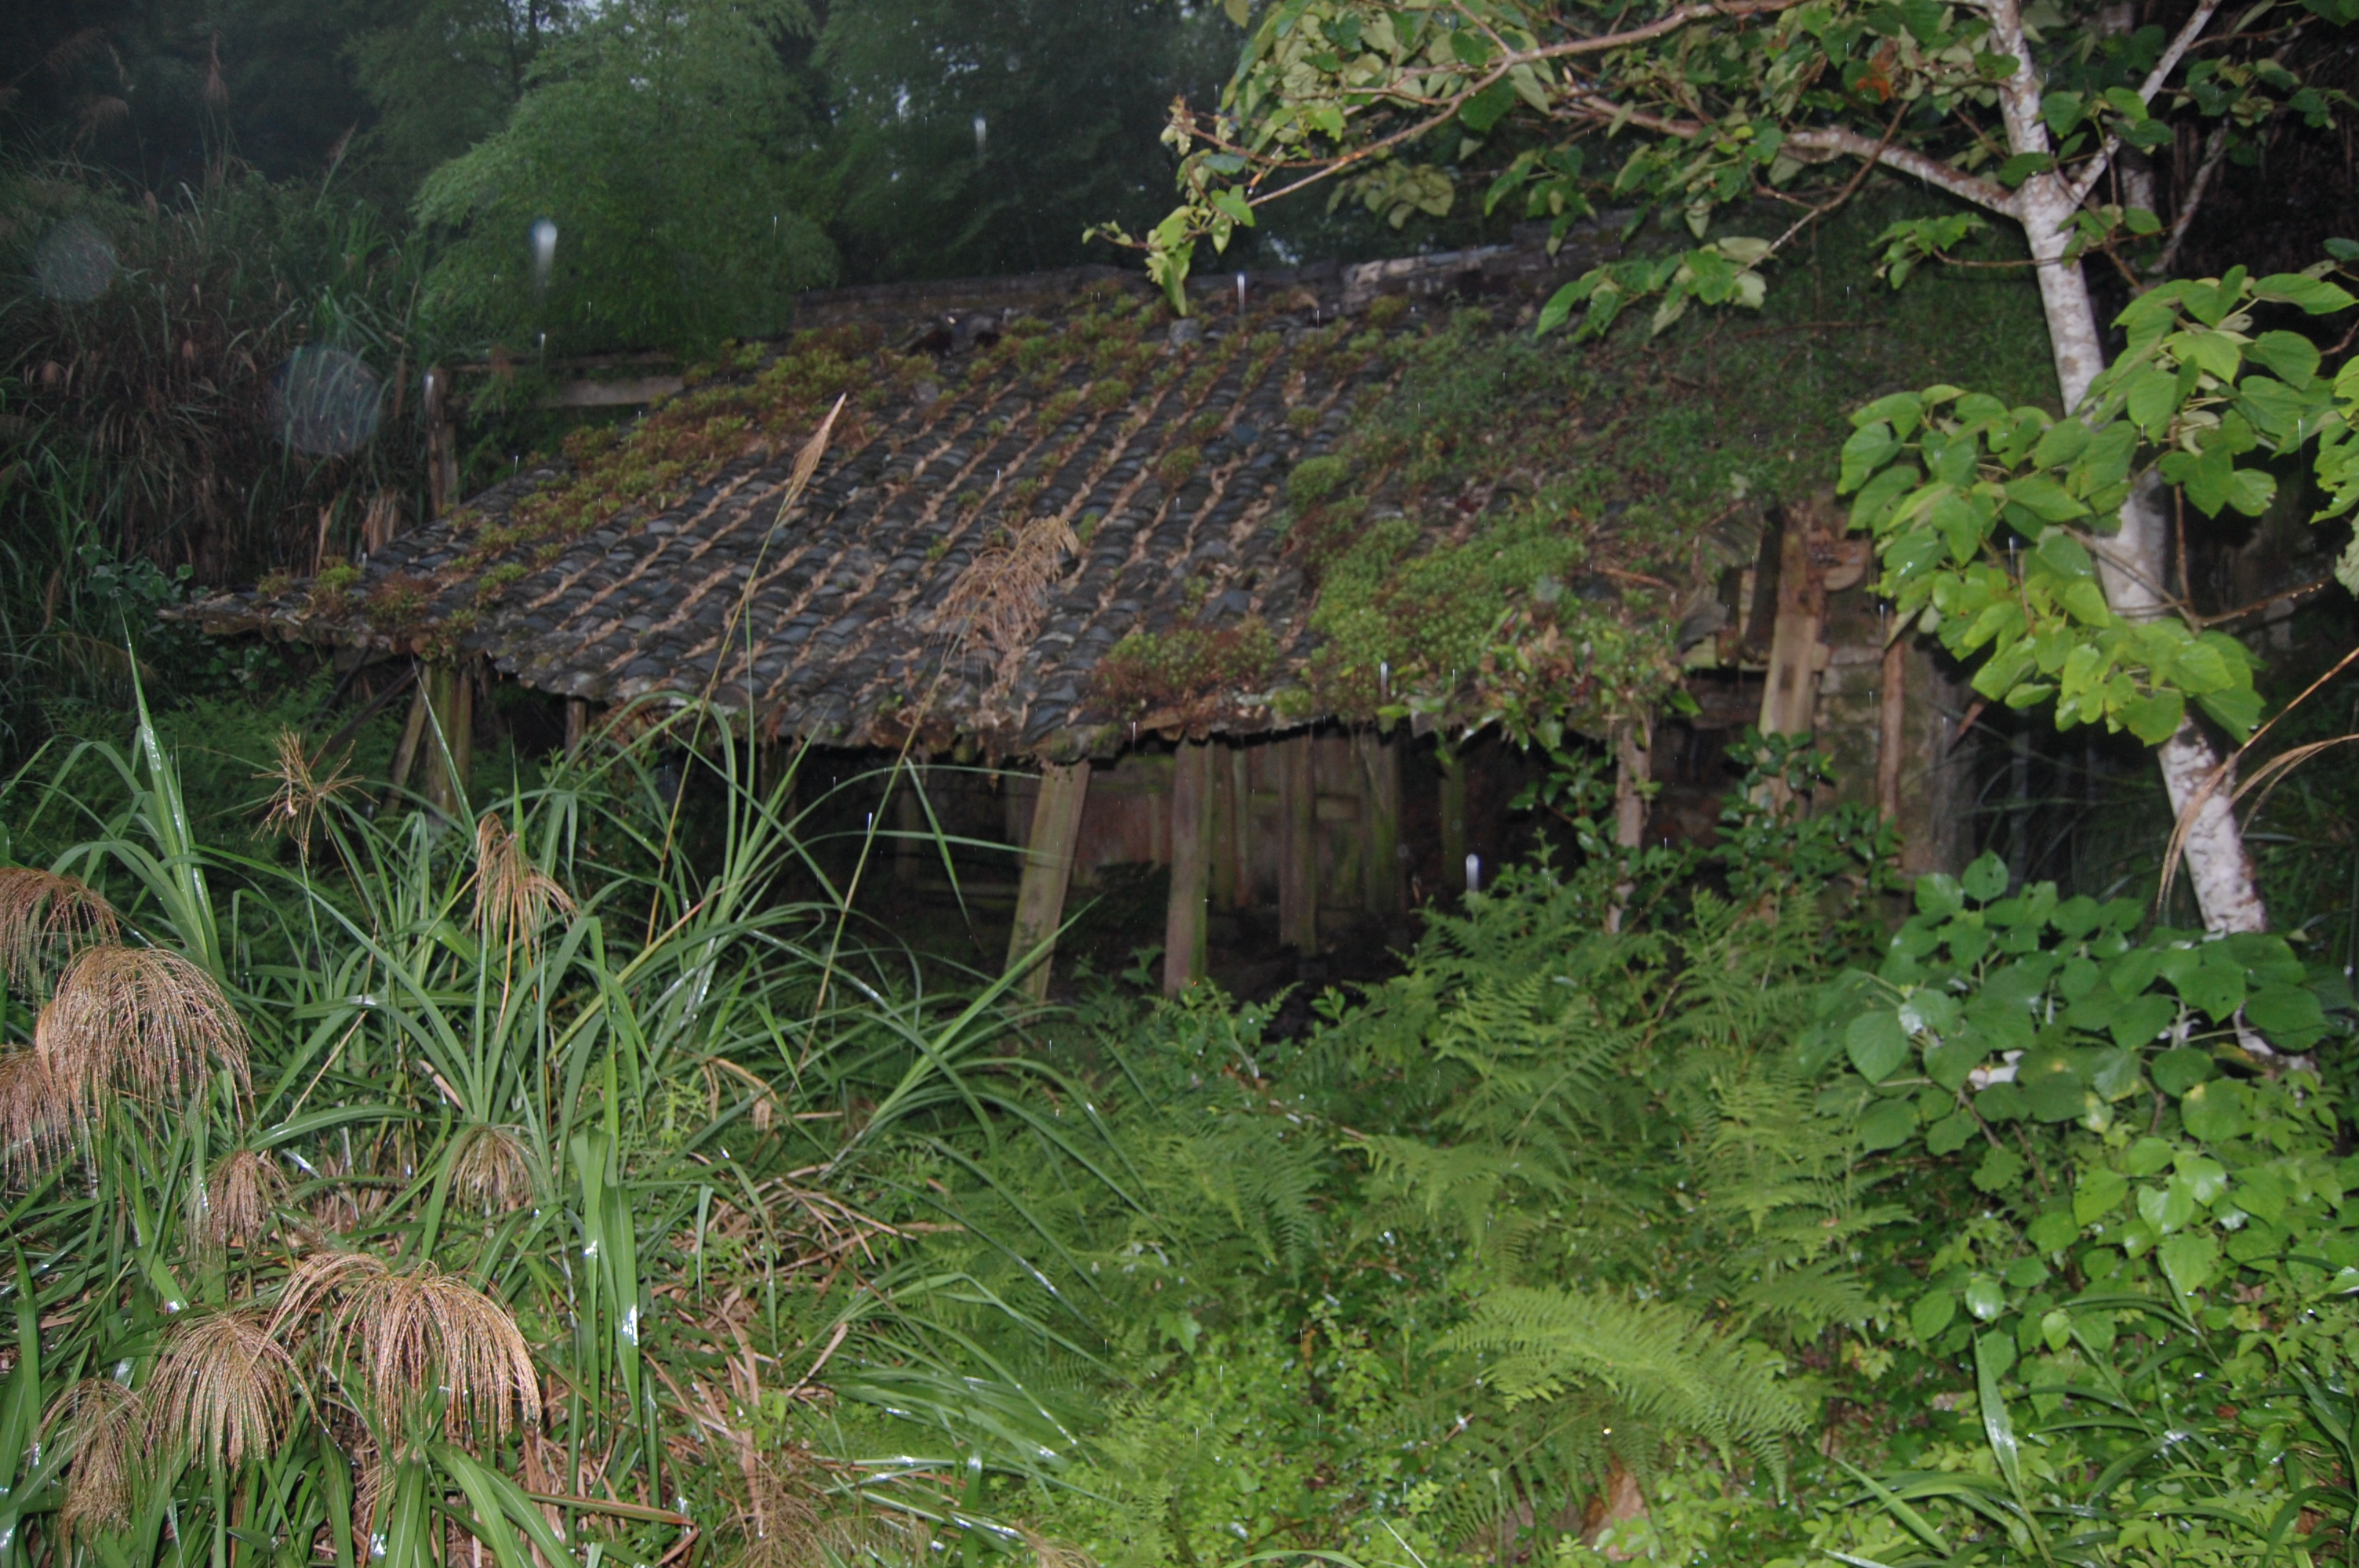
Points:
x=491, y=1168
x=136, y=1020
x=44, y=918
x=239, y=1198
x=35, y=1114
x=94, y=1420
x=513, y=897
x=410, y=1332
x=220, y=1389
x=305, y=785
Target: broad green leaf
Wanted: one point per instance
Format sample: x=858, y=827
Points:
x=2100, y=1193
x=2189, y=1259
x=1876, y=1043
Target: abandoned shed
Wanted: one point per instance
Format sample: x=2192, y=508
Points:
x=1209, y=581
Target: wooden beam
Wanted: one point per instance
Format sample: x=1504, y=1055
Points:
x=1048, y=870
x=1380, y=792
x=1789, y=698
x=909, y=825
x=449, y=747
x=577, y=723
x=1453, y=818
x=1231, y=874
x=413, y=732
x=1298, y=852
x=1192, y=858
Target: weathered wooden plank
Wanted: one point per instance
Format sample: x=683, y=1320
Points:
x=1453, y=818
x=1891, y=728
x=449, y=747
x=1047, y=869
x=1227, y=826
x=1297, y=862
x=1192, y=845
x=1378, y=758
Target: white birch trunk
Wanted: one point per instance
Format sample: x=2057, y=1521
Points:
x=2134, y=562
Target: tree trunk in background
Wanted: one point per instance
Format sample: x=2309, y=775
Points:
x=2134, y=562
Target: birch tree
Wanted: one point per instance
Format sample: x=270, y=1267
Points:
x=2034, y=115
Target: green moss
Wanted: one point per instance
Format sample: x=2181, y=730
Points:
x=1552, y=496
x=1109, y=394
x=1302, y=418
x=495, y=582
x=1146, y=673
x=1314, y=480
x=1059, y=409
x=1176, y=467
x=1388, y=308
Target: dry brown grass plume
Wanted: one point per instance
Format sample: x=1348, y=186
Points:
x=36, y=1116
x=999, y=600
x=136, y=1020
x=490, y=1169
x=514, y=897
x=94, y=1419
x=220, y=1389
x=305, y=785
x=44, y=919
x=411, y=1332
x=240, y=1196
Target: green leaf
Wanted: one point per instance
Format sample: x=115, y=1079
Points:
x=1992, y=1357
x=2290, y=1016
x=2054, y=1229
x=1952, y=1133
x=2139, y=1019
x=2099, y=1194
x=1984, y=879
x=1887, y=1124
x=1878, y=1045
x=2289, y=356
x=2000, y=1170
x=1934, y=1312
x=2215, y=988
x=2314, y=295
x=2179, y=1070
x=2189, y=1259
x=1938, y=894
x=2155, y=719
x=2213, y=1111
x=1984, y=1298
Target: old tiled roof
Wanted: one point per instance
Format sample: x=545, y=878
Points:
x=665, y=564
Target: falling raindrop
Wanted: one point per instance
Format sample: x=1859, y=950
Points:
x=74, y=262
x=1241, y=294
x=1474, y=873
x=544, y=250
x=323, y=402
x=980, y=128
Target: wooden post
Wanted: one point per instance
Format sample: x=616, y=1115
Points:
x=1191, y=835
x=1047, y=869
x=1297, y=831
x=1892, y=712
x=1789, y=698
x=1230, y=810
x=1453, y=818
x=450, y=751
x=413, y=731
x=1380, y=790
x=909, y=825
x=577, y=723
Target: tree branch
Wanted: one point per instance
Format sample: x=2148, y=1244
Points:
x=2213, y=155
x=1670, y=23
x=2147, y=90
x=1835, y=139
